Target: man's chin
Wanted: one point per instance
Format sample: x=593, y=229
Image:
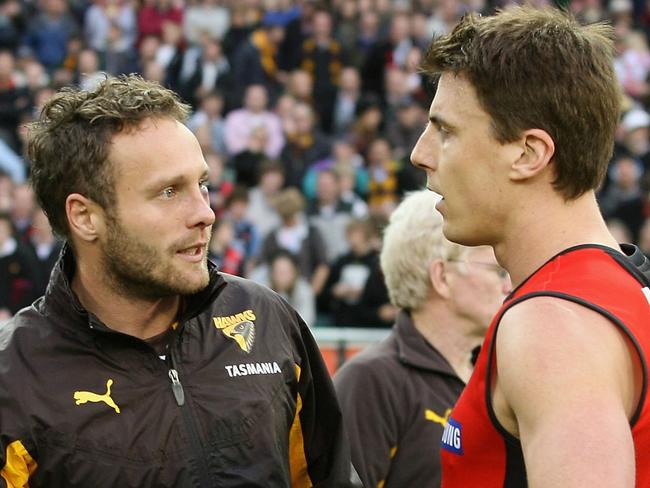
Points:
x=195, y=283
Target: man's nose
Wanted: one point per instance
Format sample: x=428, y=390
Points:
x=201, y=213
x=422, y=155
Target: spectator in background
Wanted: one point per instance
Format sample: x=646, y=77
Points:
x=19, y=283
x=202, y=71
x=255, y=62
x=240, y=123
x=153, y=71
x=205, y=17
x=49, y=32
x=397, y=90
x=70, y=64
x=368, y=36
x=223, y=250
x=208, y=124
x=22, y=210
x=383, y=169
x=12, y=24
x=355, y=294
x=445, y=16
x=368, y=124
x=284, y=278
x=261, y=211
x=635, y=128
x=348, y=179
x=346, y=23
x=330, y=214
x=169, y=49
x=36, y=78
x=391, y=53
x=343, y=154
x=246, y=238
x=622, y=199
x=11, y=163
x=148, y=50
x=220, y=185
x=246, y=163
x=298, y=237
x=421, y=31
x=45, y=247
x=88, y=73
x=588, y=11
x=300, y=86
x=14, y=98
x=297, y=20
x=154, y=13
x=632, y=65
x=305, y=145
x=111, y=29
x=345, y=103
x=323, y=58
x=403, y=131
x=396, y=396
x=244, y=19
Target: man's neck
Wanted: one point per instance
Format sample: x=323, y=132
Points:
x=537, y=232
x=444, y=331
x=138, y=317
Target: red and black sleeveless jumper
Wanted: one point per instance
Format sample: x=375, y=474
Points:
x=476, y=450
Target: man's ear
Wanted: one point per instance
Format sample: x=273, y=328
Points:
x=537, y=152
x=439, y=278
x=86, y=218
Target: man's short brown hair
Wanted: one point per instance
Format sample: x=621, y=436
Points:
x=539, y=68
x=69, y=144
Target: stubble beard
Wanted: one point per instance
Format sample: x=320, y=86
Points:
x=134, y=268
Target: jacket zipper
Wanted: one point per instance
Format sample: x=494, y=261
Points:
x=190, y=423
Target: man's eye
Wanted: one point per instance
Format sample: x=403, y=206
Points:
x=443, y=131
x=168, y=192
x=204, y=186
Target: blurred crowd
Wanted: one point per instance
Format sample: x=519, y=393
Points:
x=306, y=113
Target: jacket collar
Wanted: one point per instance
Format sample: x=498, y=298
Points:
x=60, y=300
x=414, y=350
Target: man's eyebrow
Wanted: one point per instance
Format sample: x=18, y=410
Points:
x=164, y=182
x=173, y=180
x=440, y=122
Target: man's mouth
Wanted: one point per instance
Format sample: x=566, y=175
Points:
x=193, y=253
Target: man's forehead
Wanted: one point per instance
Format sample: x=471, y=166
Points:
x=455, y=98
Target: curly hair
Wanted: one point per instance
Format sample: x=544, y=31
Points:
x=539, y=68
x=413, y=239
x=69, y=144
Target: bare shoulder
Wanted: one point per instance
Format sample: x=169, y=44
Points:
x=553, y=325
x=549, y=347
x=568, y=382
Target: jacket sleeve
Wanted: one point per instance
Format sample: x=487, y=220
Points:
x=17, y=464
x=364, y=391
x=319, y=454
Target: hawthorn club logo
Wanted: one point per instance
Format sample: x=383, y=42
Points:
x=239, y=327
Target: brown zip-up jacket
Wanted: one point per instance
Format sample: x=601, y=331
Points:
x=396, y=397
x=242, y=399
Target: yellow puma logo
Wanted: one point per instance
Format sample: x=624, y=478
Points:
x=434, y=417
x=89, y=396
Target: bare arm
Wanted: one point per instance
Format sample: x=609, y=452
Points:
x=568, y=382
